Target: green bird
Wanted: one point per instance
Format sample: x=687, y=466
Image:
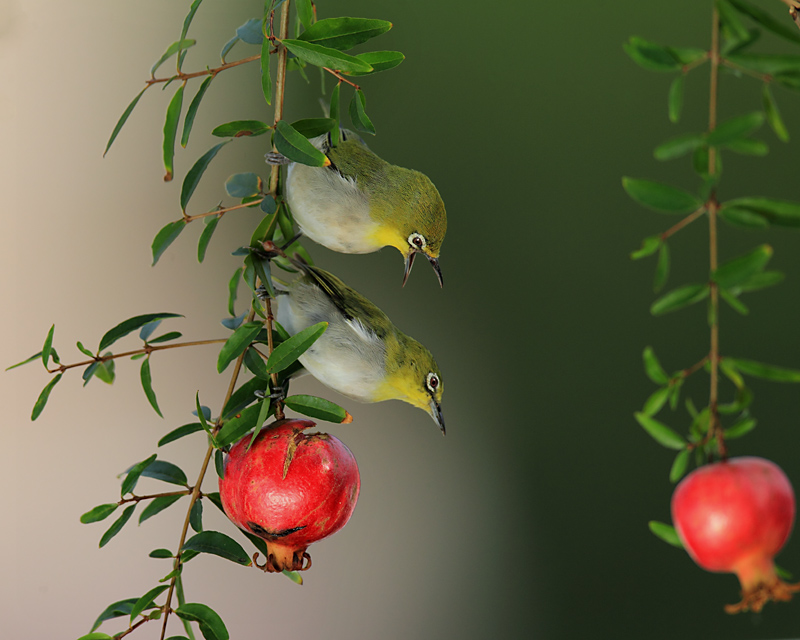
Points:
x=362, y=354
x=360, y=203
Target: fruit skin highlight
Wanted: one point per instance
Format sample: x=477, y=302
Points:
x=290, y=489
x=734, y=517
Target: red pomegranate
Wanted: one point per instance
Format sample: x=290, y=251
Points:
x=734, y=517
x=290, y=489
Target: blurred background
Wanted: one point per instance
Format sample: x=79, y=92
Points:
x=530, y=518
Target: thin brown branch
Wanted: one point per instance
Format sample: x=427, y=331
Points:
x=146, y=349
x=686, y=221
x=280, y=86
x=132, y=628
x=206, y=72
x=342, y=78
x=764, y=77
x=274, y=376
x=221, y=211
x=685, y=373
x=135, y=498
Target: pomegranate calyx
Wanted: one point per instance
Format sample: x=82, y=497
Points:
x=755, y=598
x=272, y=564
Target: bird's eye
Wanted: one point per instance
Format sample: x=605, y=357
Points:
x=416, y=241
x=432, y=382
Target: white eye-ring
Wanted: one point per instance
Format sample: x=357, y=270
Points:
x=432, y=382
x=417, y=241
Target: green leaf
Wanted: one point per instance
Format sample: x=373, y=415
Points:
x=35, y=356
x=305, y=12
x=660, y=432
x=358, y=115
x=147, y=330
x=237, y=343
x=662, y=268
x=735, y=128
x=666, y=532
x=778, y=212
x=100, y=512
x=211, y=223
x=344, y=33
x=171, y=51
x=106, y=370
x=660, y=197
x=774, y=115
x=161, y=553
x=734, y=302
x=147, y=600
x=196, y=516
x=318, y=408
x=250, y=32
x=770, y=64
x=115, y=528
x=189, y=17
x=115, y=610
x=679, y=466
x=235, y=428
x=180, y=432
x=650, y=55
x=130, y=325
x=290, y=350
x=740, y=428
x=166, y=237
x=41, y=401
x=48, y=346
x=766, y=371
x=731, y=21
x=233, y=285
x=227, y=48
x=379, y=61
x=740, y=269
x=219, y=463
x=675, y=101
x=265, y=410
x=678, y=146
x=134, y=473
x=191, y=112
x=321, y=56
x=296, y=147
x=653, y=368
x=266, y=80
x=157, y=505
x=748, y=147
x=122, y=120
x=760, y=281
x=333, y=109
x=172, y=335
x=649, y=246
x=166, y=472
x=194, y=174
x=242, y=185
x=313, y=127
x=679, y=298
x=656, y=401
x=766, y=20
x=211, y=625
x=743, y=218
x=239, y=128
x=147, y=385
x=218, y=544
x=256, y=365
x=203, y=421
x=244, y=395
x=171, y=131
x=97, y=635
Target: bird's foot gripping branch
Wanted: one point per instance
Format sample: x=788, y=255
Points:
x=281, y=487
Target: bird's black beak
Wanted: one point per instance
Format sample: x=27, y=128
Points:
x=436, y=414
x=409, y=264
x=434, y=263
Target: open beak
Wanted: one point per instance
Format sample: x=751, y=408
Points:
x=436, y=414
x=434, y=263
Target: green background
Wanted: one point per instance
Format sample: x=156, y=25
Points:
x=530, y=518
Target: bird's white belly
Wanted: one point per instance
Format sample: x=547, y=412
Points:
x=330, y=209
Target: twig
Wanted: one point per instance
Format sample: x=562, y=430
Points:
x=207, y=72
x=221, y=211
x=680, y=225
x=135, y=498
x=342, y=78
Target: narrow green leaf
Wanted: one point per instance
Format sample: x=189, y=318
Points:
x=218, y=544
x=743, y=218
x=196, y=516
x=660, y=432
x=748, y=147
x=166, y=472
x=194, y=174
x=171, y=51
x=741, y=428
x=778, y=212
x=678, y=146
x=226, y=49
x=146, y=600
x=88, y=372
x=731, y=20
x=147, y=385
x=191, y=112
x=234, y=429
x=318, y=408
x=290, y=350
x=735, y=271
x=656, y=401
x=379, y=61
x=266, y=80
x=766, y=371
x=321, y=56
x=767, y=21
x=679, y=298
x=48, y=346
x=242, y=185
x=129, y=484
x=344, y=33
x=313, y=127
x=675, y=101
x=96, y=635
x=333, y=110
x=237, y=343
x=662, y=268
x=115, y=610
x=760, y=281
x=774, y=65
x=41, y=401
x=35, y=356
x=358, y=114
x=256, y=365
x=296, y=147
x=219, y=463
x=734, y=302
x=653, y=367
x=122, y=120
x=244, y=395
x=100, y=512
x=250, y=32
x=774, y=115
x=130, y=325
x=679, y=466
x=180, y=432
x=115, y=528
x=147, y=330
x=660, y=197
x=305, y=12
x=171, y=335
x=189, y=17
x=211, y=223
x=171, y=131
x=265, y=410
x=233, y=286
x=157, y=505
x=84, y=350
x=666, y=532
x=211, y=625
x=165, y=237
x=649, y=246
x=650, y=55
x=161, y=553
x=239, y=128
x=203, y=421
x=735, y=128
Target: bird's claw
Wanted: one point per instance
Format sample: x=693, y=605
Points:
x=276, y=159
